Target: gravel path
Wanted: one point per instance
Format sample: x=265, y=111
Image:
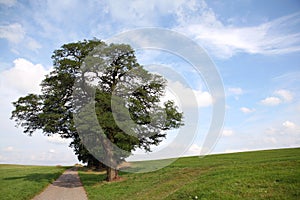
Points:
x=67, y=187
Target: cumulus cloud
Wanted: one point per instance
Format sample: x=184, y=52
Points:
x=285, y=134
x=204, y=98
x=271, y=101
x=12, y=32
x=285, y=95
x=23, y=77
x=247, y=110
x=280, y=96
x=289, y=125
x=287, y=128
x=187, y=97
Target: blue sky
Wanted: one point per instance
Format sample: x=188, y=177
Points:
x=255, y=46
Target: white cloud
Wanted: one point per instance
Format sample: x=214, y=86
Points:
x=197, y=20
x=204, y=99
x=187, y=97
x=271, y=101
x=247, y=110
x=191, y=17
x=23, y=77
x=15, y=34
x=227, y=132
x=289, y=125
x=280, y=96
x=12, y=32
x=287, y=128
x=8, y=3
x=273, y=37
x=286, y=95
x=56, y=139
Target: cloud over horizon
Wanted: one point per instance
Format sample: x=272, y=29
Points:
x=24, y=77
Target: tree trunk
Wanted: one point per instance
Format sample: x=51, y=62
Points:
x=112, y=174
x=110, y=162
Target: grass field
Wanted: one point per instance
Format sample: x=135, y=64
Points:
x=24, y=182
x=272, y=174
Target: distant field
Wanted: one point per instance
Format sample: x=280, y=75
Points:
x=272, y=174
x=24, y=182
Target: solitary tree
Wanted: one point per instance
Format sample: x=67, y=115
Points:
x=99, y=96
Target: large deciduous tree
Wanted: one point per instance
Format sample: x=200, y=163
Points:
x=93, y=80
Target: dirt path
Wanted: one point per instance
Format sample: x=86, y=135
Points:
x=67, y=187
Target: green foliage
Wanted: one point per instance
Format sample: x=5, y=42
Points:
x=24, y=182
x=27, y=112
x=272, y=174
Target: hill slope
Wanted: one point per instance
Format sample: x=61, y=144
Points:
x=271, y=174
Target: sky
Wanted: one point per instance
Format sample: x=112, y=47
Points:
x=254, y=46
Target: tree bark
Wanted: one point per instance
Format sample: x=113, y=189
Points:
x=110, y=161
x=112, y=174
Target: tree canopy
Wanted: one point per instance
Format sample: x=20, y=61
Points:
x=102, y=98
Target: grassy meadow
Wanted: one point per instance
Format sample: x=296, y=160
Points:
x=271, y=174
x=24, y=182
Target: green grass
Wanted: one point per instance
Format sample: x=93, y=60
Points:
x=272, y=174
x=24, y=182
